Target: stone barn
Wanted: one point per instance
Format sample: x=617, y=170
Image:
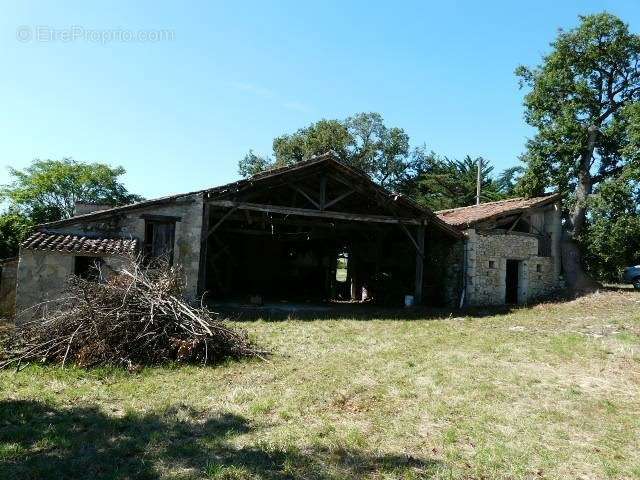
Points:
x=512, y=249
x=316, y=232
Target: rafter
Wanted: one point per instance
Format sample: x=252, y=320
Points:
x=314, y=213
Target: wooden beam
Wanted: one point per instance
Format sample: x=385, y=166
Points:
x=219, y=222
x=338, y=199
x=419, y=265
x=323, y=192
x=356, y=217
x=413, y=240
x=305, y=195
x=513, y=225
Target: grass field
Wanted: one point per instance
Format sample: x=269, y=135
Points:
x=551, y=391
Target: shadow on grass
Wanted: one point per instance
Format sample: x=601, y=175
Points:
x=38, y=441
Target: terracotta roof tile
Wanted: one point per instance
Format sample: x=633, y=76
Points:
x=467, y=216
x=68, y=243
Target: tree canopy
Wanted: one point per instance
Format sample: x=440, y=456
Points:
x=441, y=183
x=47, y=190
x=364, y=141
x=582, y=100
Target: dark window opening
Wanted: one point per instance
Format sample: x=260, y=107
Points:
x=89, y=268
x=492, y=264
x=544, y=245
x=159, y=237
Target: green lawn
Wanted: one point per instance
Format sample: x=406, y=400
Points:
x=551, y=391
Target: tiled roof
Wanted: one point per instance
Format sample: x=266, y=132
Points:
x=66, y=243
x=467, y=216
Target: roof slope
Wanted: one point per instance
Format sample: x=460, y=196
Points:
x=328, y=159
x=80, y=244
x=467, y=216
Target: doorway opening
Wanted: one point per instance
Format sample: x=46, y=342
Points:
x=511, y=281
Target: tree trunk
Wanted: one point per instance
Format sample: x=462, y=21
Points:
x=577, y=279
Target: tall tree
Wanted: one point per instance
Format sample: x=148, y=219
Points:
x=362, y=141
x=47, y=190
x=508, y=180
x=612, y=234
x=316, y=139
x=578, y=103
x=441, y=183
x=253, y=163
x=14, y=227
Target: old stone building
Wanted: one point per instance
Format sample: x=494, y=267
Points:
x=283, y=235
x=512, y=249
x=275, y=237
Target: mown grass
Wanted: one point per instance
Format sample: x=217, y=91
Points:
x=551, y=391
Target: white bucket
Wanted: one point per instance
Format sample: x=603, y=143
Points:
x=408, y=300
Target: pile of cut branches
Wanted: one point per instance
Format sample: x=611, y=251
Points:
x=135, y=318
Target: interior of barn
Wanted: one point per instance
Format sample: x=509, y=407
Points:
x=320, y=234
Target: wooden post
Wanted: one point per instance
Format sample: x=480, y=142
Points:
x=354, y=276
x=419, y=265
x=323, y=192
x=479, y=181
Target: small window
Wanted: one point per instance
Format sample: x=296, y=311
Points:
x=492, y=264
x=538, y=268
x=159, y=238
x=89, y=268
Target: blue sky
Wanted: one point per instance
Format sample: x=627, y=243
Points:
x=178, y=113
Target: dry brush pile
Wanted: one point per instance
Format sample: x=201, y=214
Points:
x=135, y=318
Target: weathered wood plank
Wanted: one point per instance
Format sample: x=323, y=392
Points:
x=357, y=217
x=338, y=198
x=219, y=222
x=305, y=195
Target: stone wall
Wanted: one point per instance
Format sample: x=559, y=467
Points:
x=42, y=274
x=42, y=277
x=453, y=277
x=130, y=224
x=487, y=254
x=8, y=276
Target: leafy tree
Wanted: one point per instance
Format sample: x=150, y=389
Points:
x=441, y=183
x=378, y=150
x=507, y=182
x=14, y=227
x=316, y=139
x=253, y=163
x=612, y=238
x=580, y=102
x=47, y=190
x=362, y=141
